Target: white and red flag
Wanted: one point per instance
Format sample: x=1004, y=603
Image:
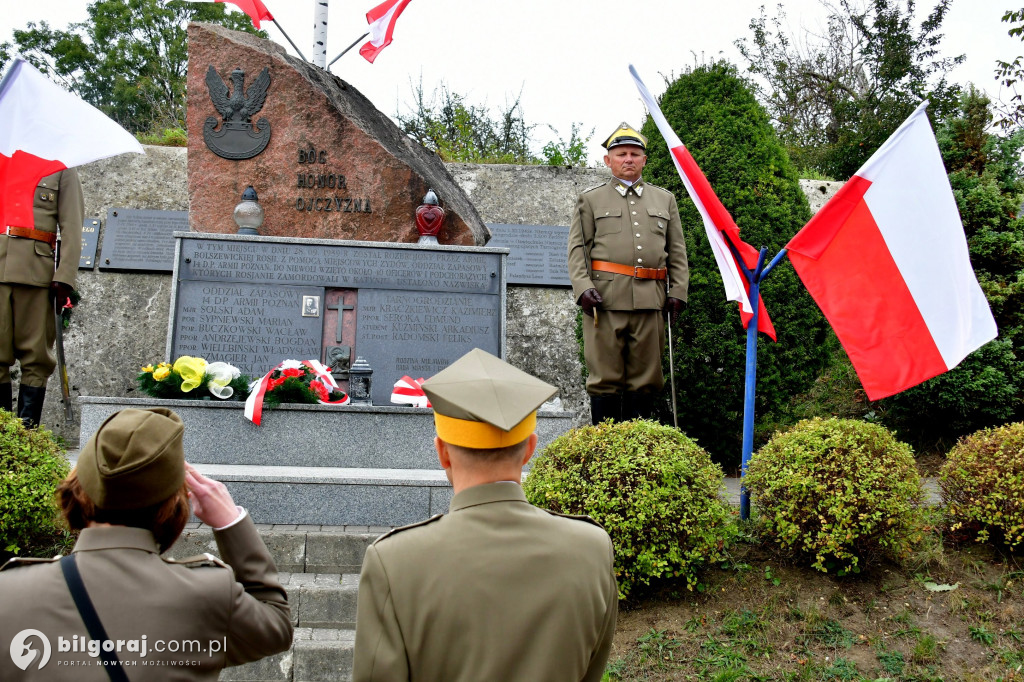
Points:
x=887, y=262
x=718, y=224
x=409, y=391
x=256, y=10
x=382, y=20
x=44, y=129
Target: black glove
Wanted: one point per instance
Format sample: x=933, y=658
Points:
x=674, y=306
x=589, y=300
x=61, y=292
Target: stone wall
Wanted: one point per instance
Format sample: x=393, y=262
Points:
x=121, y=323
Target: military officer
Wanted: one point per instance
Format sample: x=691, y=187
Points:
x=129, y=494
x=496, y=589
x=29, y=283
x=627, y=264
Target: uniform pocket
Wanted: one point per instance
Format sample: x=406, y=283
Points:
x=43, y=249
x=659, y=219
x=608, y=222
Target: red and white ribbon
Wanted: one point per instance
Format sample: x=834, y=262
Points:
x=257, y=393
x=409, y=391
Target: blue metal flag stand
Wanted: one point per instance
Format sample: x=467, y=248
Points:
x=754, y=279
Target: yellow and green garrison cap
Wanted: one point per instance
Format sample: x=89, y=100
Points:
x=135, y=459
x=625, y=134
x=483, y=402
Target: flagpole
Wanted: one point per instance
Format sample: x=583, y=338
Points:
x=288, y=38
x=348, y=48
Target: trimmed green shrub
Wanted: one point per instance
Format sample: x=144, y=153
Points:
x=653, y=489
x=715, y=113
x=837, y=491
x=32, y=464
x=982, y=484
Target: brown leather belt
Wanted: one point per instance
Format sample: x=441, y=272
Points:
x=32, y=233
x=631, y=270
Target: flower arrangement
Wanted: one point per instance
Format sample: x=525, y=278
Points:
x=190, y=378
x=293, y=381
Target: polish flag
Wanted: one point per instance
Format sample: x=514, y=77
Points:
x=718, y=224
x=409, y=391
x=256, y=10
x=46, y=129
x=887, y=262
x=382, y=20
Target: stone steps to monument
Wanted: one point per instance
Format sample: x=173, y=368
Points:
x=317, y=655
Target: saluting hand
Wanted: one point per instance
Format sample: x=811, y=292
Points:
x=211, y=501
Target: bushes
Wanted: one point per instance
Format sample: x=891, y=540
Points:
x=982, y=485
x=31, y=466
x=653, y=489
x=839, y=491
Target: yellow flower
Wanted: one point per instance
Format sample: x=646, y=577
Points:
x=161, y=373
x=191, y=371
x=147, y=368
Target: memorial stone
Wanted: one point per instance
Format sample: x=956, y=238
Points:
x=324, y=161
x=141, y=240
x=537, y=253
x=407, y=310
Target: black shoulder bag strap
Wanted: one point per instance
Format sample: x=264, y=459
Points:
x=111, y=663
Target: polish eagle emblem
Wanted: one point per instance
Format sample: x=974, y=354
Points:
x=237, y=137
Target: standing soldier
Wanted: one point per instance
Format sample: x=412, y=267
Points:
x=30, y=281
x=626, y=248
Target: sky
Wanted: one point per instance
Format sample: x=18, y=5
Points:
x=566, y=60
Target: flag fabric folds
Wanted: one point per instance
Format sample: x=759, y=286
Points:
x=887, y=262
x=46, y=129
x=718, y=224
x=382, y=20
x=256, y=10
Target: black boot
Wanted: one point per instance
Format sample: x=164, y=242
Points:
x=6, y=397
x=605, y=407
x=639, y=406
x=30, y=404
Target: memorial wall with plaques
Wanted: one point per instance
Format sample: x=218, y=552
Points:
x=404, y=308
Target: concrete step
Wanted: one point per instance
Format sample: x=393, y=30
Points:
x=322, y=600
x=317, y=655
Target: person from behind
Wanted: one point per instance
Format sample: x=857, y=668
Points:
x=114, y=605
x=496, y=589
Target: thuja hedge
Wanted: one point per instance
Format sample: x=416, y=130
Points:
x=653, y=489
x=715, y=113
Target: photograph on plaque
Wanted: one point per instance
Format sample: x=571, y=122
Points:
x=311, y=306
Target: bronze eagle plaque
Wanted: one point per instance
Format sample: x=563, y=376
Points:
x=237, y=138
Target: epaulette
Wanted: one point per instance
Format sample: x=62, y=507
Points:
x=19, y=562
x=197, y=561
x=591, y=189
x=576, y=517
x=394, y=531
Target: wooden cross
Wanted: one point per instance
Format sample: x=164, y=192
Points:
x=341, y=308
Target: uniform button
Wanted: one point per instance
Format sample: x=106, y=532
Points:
x=634, y=212
x=637, y=234
x=607, y=212
x=639, y=260
x=639, y=247
x=632, y=202
x=637, y=224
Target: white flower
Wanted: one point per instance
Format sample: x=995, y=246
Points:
x=221, y=374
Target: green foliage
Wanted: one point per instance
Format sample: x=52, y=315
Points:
x=838, y=492
x=836, y=97
x=168, y=137
x=571, y=152
x=982, y=483
x=129, y=58
x=653, y=489
x=714, y=112
x=32, y=464
x=987, y=388
x=1011, y=75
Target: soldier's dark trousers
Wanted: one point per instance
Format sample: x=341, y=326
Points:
x=623, y=352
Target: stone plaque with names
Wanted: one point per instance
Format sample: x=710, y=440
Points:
x=90, y=239
x=141, y=239
x=407, y=310
x=537, y=253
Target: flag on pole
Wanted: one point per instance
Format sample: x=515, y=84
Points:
x=382, y=20
x=46, y=129
x=256, y=10
x=718, y=224
x=887, y=262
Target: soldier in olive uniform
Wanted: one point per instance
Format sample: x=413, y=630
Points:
x=29, y=283
x=626, y=248
x=496, y=589
x=129, y=494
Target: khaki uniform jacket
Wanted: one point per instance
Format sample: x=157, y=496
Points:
x=137, y=593
x=496, y=589
x=635, y=226
x=58, y=201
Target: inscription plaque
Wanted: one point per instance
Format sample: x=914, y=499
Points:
x=537, y=253
x=141, y=239
x=90, y=239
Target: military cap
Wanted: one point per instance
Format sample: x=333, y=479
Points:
x=624, y=134
x=135, y=459
x=483, y=402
